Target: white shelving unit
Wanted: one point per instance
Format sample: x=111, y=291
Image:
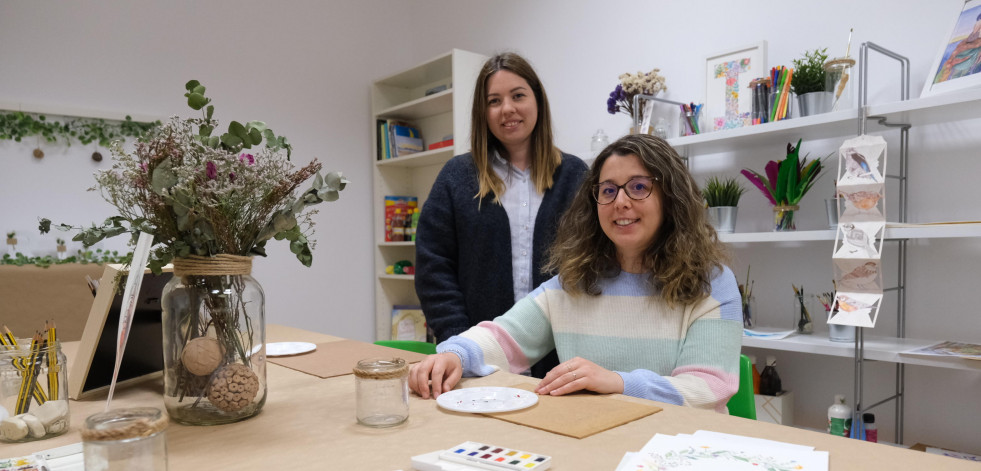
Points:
x=402, y=96
x=940, y=109
x=894, y=231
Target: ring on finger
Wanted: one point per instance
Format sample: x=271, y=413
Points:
x=573, y=375
x=568, y=368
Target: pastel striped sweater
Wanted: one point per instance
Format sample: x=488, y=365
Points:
x=688, y=355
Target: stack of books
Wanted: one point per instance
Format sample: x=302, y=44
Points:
x=397, y=139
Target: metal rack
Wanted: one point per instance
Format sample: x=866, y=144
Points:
x=900, y=288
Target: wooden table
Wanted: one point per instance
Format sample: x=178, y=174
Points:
x=309, y=423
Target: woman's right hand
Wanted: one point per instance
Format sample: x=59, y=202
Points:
x=442, y=371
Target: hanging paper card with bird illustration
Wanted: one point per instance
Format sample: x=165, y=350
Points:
x=858, y=309
x=859, y=239
x=862, y=160
x=863, y=203
x=861, y=275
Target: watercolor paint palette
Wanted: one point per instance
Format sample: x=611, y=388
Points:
x=473, y=455
x=487, y=400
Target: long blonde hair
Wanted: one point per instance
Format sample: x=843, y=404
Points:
x=683, y=257
x=546, y=157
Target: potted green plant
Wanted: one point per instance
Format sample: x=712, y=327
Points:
x=808, y=82
x=722, y=196
x=12, y=242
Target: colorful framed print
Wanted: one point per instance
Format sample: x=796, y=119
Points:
x=958, y=64
x=728, y=96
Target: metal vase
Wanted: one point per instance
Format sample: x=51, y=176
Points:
x=815, y=103
x=723, y=218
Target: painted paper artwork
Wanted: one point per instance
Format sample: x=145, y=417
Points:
x=858, y=309
x=706, y=450
x=861, y=230
x=958, y=65
x=858, y=275
x=728, y=96
x=859, y=239
x=860, y=162
x=863, y=202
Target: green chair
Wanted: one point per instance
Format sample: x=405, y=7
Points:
x=743, y=404
x=425, y=347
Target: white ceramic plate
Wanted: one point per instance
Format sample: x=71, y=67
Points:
x=279, y=349
x=487, y=400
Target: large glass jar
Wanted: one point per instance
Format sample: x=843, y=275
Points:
x=33, y=390
x=214, y=341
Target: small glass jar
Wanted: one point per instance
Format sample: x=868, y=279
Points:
x=783, y=218
x=837, y=81
x=749, y=311
x=33, y=391
x=125, y=439
x=802, y=306
x=382, y=389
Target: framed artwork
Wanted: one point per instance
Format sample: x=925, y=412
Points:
x=958, y=63
x=91, y=371
x=728, y=97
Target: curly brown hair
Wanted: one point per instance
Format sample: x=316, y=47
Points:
x=685, y=254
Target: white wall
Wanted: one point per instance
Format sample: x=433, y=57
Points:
x=305, y=69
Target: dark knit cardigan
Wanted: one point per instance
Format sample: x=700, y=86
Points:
x=463, y=255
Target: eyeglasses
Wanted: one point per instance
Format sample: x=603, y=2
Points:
x=637, y=188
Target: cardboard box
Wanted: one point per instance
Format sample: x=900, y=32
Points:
x=776, y=409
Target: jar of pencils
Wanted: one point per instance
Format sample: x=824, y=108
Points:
x=33, y=389
x=690, y=120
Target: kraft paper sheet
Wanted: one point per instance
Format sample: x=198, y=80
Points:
x=339, y=358
x=576, y=415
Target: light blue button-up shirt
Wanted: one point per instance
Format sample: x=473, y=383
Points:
x=521, y=202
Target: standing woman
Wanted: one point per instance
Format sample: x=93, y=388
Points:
x=643, y=304
x=492, y=213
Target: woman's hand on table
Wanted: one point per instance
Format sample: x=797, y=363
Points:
x=580, y=374
x=442, y=371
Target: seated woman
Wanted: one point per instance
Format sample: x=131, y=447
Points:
x=642, y=305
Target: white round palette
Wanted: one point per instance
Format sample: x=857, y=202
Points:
x=281, y=349
x=487, y=400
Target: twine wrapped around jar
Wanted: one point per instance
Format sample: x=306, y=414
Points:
x=124, y=424
x=221, y=264
x=381, y=369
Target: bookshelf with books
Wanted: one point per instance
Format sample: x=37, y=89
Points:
x=430, y=102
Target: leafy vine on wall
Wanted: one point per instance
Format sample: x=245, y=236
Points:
x=18, y=125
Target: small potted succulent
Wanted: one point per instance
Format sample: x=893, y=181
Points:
x=61, y=248
x=721, y=197
x=12, y=242
x=808, y=82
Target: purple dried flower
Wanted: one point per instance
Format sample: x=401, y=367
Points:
x=143, y=166
x=231, y=177
x=212, y=170
x=251, y=158
x=611, y=106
